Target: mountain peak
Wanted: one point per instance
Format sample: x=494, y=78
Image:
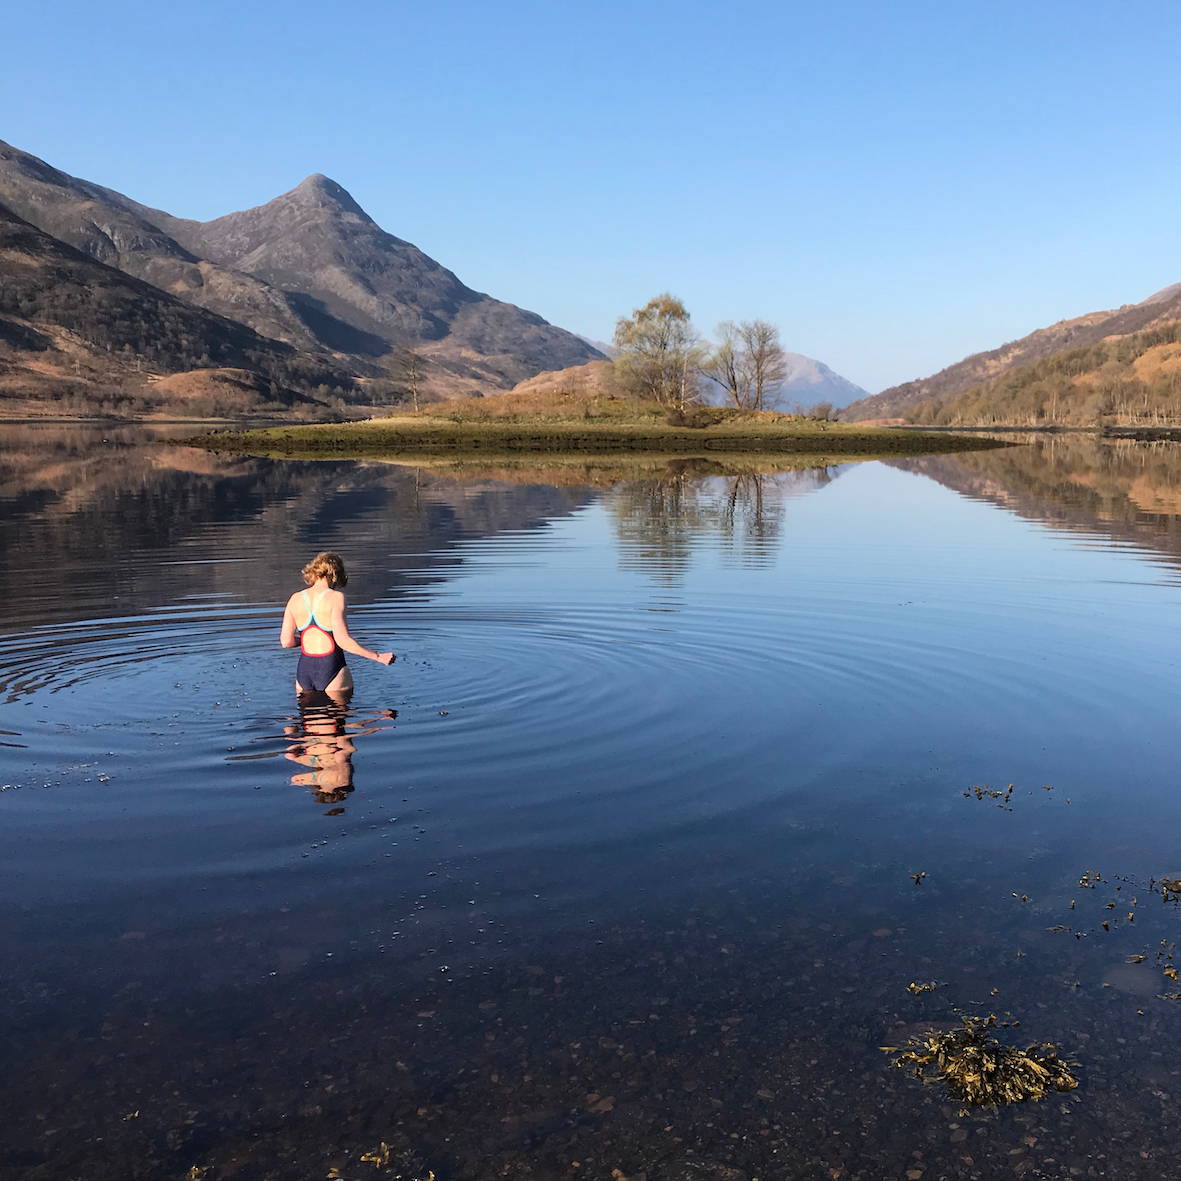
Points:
x=322, y=191
x=317, y=182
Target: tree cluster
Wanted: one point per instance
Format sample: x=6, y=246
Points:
x=661, y=357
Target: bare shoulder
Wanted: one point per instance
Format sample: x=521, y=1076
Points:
x=294, y=598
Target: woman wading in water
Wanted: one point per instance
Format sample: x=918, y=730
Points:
x=314, y=619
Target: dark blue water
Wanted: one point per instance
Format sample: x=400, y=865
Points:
x=611, y=874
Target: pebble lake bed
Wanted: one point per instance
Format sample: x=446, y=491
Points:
x=695, y=798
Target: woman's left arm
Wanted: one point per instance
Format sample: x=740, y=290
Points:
x=340, y=632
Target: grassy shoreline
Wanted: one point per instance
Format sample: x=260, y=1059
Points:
x=641, y=430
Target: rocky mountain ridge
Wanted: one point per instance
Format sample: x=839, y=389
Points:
x=310, y=269
x=316, y=243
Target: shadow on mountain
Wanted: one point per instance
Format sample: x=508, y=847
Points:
x=334, y=332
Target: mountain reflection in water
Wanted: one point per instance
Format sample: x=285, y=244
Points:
x=106, y=524
x=1129, y=491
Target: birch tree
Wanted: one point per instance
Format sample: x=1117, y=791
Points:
x=660, y=352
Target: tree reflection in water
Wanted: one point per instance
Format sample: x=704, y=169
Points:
x=661, y=521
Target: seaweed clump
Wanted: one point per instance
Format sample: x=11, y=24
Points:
x=982, y=792
x=980, y=1070
x=397, y=1162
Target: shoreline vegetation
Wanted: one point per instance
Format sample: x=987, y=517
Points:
x=600, y=424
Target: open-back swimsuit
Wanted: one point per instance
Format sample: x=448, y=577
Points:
x=317, y=671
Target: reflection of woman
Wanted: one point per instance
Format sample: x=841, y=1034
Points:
x=317, y=615
x=327, y=752
x=323, y=743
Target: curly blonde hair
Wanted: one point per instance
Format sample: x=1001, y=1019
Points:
x=328, y=566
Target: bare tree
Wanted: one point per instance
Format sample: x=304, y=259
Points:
x=768, y=364
x=728, y=366
x=660, y=353
x=408, y=365
x=748, y=363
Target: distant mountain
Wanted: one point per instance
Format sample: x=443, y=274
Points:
x=81, y=336
x=1162, y=308
x=809, y=382
x=309, y=268
x=608, y=350
x=317, y=245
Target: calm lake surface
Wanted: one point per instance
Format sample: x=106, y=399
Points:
x=610, y=876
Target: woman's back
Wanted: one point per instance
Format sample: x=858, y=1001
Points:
x=315, y=614
x=315, y=620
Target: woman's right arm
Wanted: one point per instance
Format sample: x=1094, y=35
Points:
x=287, y=631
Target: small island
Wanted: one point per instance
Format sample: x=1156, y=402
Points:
x=596, y=423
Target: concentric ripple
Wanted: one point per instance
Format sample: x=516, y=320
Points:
x=615, y=665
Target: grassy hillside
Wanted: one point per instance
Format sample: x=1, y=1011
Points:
x=1159, y=310
x=1126, y=380
x=554, y=421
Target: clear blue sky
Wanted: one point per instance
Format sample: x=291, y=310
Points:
x=895, y=185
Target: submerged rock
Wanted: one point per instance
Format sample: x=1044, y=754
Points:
x=1139, y=979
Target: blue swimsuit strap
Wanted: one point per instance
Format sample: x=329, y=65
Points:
x=312, y=620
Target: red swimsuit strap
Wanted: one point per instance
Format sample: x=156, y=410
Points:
x=303, y=635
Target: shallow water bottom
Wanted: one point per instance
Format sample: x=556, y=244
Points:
x=736, y=1033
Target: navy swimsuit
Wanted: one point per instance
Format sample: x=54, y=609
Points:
x=316, y=672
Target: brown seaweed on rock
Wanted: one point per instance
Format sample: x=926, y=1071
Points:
x=980, y=1070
